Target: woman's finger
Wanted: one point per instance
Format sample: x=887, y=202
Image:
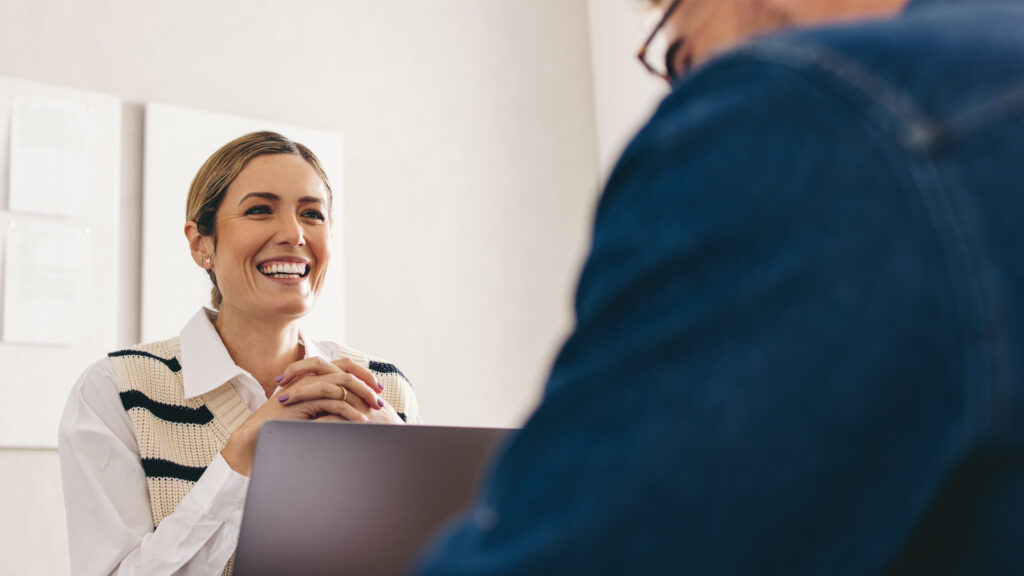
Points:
x=318, y=365
x=319, y=408
x=359, y=371
x=360, y=389
x=349, y=387
x=314, y=365
x=306, y=389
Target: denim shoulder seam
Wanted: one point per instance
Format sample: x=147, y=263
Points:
x=892, y=110
x=915, y=129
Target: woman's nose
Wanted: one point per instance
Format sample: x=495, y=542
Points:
x=290, y=232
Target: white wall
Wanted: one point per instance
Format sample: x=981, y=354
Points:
x=624, y=93
x=474, y=146
x=471, y=169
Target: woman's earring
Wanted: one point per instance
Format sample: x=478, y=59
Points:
x=206, y=261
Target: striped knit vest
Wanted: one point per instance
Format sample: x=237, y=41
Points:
x=177, y=438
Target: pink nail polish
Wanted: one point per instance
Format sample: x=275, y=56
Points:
x=282, y=398
x=380, y=401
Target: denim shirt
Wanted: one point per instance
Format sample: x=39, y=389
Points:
x=798, y=346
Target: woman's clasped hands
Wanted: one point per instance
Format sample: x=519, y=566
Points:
x=313, y=389
x=338, y=390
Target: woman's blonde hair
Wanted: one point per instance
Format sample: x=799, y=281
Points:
x=220, y=170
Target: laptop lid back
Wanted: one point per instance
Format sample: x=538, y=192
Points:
x=342, y=498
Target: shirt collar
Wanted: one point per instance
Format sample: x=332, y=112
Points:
x=205, y=362
x=311, y=349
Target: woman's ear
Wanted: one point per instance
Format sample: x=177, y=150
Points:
x=201, y=246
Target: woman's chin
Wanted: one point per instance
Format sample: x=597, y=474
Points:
x=268, y=306
x=293, y=310
x=287, y=308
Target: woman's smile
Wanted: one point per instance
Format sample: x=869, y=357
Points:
x=283, y=269
x=286, y=271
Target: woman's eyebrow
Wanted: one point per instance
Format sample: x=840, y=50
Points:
x=275, y=197
x=264, y=195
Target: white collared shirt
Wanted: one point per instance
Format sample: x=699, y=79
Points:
x=110, y=526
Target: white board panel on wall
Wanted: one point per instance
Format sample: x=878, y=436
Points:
x=177, y=142
x=60, y=187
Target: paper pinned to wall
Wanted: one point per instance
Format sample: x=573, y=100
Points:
x=53, y=156
x=46, y=284
x=35, y=378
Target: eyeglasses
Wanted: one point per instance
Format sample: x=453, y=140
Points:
x=658, y=48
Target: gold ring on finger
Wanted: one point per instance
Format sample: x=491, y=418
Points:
x=344, y=394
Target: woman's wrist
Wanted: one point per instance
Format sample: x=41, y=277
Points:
x=238, y=451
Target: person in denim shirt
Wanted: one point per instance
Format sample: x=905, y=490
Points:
x=799, y=341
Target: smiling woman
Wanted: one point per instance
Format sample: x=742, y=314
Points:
x=157, y=440
x=242, y=169
x=269, y=242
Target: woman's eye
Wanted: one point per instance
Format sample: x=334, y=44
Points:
x=258, y=210
x=314, y=214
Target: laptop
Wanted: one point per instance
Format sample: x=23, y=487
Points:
x=355, y=499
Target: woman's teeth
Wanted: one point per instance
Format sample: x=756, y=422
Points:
x=284, y=269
